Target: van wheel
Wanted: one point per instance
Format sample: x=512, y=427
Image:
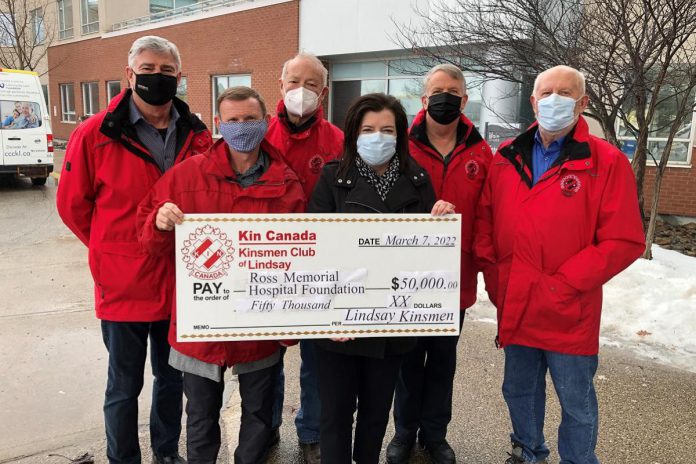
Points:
x=38, y=180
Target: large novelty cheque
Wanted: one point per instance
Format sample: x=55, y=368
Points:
x=271, y=276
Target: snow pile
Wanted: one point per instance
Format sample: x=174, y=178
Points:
x=650, y=308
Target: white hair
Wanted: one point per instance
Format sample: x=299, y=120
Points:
x=451, y=70
x=315, y=61
x=155, y=44
x=579, y=75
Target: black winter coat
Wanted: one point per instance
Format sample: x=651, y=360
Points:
x=351, y=193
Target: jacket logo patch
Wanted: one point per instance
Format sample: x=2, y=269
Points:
x=208, y=253
x=316, y=162
x=570, y=185
x=472, y=169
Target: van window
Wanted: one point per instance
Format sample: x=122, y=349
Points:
x=20, y=114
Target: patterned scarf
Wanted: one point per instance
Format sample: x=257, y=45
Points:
x=384, y=183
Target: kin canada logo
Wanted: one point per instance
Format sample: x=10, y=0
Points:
x=570, y=185
x=472, y=169
x=316, y=162
x=208, y=253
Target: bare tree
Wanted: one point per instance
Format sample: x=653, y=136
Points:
x=637, y=56
x=679, y=90
x=25, y=33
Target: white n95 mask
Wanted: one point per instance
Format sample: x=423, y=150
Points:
x=301, y=101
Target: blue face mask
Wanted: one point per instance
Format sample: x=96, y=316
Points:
x=555, y=113
x=243, y=136
x=376, y=148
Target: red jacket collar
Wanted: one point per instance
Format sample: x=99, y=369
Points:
x=470, y=136
x=282, y=115
x=218, y=164
x=116, y=116
x=575, y=154
x=420, y=118
x=116, y=100
x=580, y=133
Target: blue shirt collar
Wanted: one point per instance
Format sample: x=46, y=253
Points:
x=553, y=146
x=253, y=174
x=135, y=116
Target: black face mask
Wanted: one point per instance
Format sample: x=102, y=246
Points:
x=444, y=107
x=155, y=89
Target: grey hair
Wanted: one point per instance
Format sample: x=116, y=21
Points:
x=579, y=75
x=155, y=44
x=451, y=70
x=310, y=57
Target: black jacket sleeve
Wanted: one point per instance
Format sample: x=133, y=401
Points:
x=322, y=200
x=428, y=196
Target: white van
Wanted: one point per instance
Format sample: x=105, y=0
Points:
x=26, y=140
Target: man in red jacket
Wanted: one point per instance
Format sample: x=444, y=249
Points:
x=446, y=143
x=241, y=173
x=298, y=130
x=558, y=218
x=112, y=160
x=307, y=141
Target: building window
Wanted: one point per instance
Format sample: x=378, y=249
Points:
x=90, y=16
x=44, y=89
x=7, y=30
x=67, y=103
x=680, y=154
x=220, y=83
x=37, y=25
x=158, y=6
x=182, y=90
x=65, y=19
x=401, y=78
x=113, y=88
x=90, y=98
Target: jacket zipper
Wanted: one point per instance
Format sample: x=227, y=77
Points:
x=365, y=206
x=256, y=183
x=266, y=184
x=546, y=177
x=446, y=162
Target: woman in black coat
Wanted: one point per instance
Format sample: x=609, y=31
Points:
x=375, y=175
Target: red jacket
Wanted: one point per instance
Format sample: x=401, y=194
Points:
x=106, y=172
x=306, y=151
x=205, y=184
x=458, y=181
x=548, y=249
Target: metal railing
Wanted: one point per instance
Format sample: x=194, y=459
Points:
x=174, y=13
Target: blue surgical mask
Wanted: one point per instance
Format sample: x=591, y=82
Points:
x=376, y=148
x=555, y=112
x=243, y=136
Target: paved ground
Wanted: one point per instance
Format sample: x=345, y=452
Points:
x=53, y=367
x=647, y=410
x=52, y=359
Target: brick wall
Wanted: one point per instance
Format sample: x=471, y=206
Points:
x=254, y=42
x=678, y=191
